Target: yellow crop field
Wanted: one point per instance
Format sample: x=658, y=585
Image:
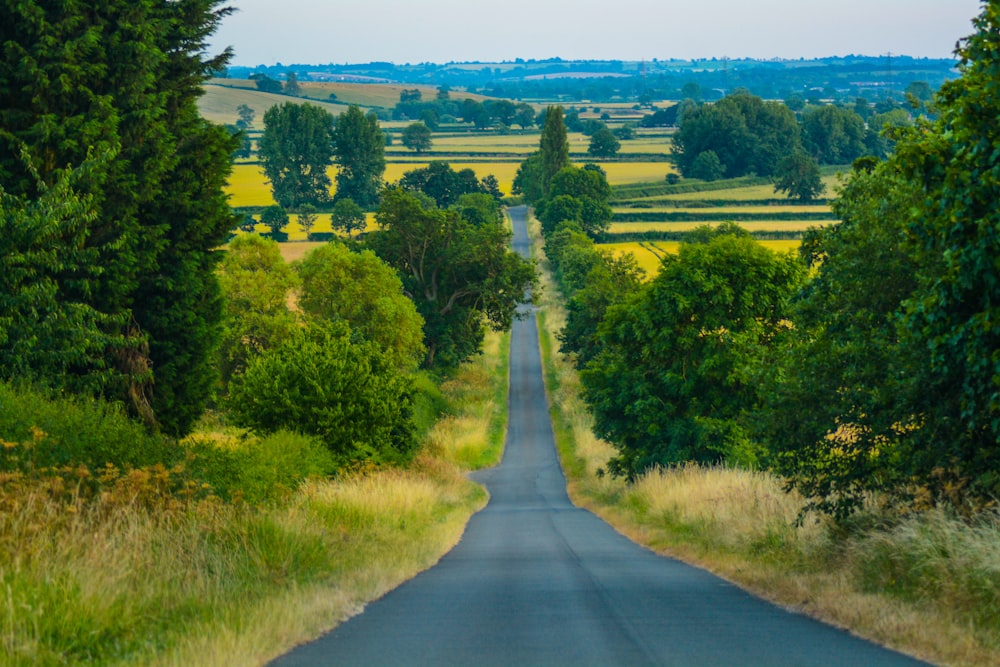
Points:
x=621, y=173
x=516, y=144
x=648, y=254
x=504, y=171
x=322, y=224
x=686, y=226
x=722, y=211
x=248, y=187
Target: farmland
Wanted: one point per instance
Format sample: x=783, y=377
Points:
x=650, y=215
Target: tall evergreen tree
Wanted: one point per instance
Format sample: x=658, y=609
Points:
x=554, y=147
x=125, y=77
x=360, y=149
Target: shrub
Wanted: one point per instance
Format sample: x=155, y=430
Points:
x=64, y=431
x=257, y=469
x=322, y=383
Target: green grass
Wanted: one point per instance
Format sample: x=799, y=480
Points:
x=137, y=566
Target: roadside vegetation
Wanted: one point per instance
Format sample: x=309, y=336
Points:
x=239, y=389
x=924, y=584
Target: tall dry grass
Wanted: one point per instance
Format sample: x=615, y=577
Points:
x=927, y=584
x=140, y=567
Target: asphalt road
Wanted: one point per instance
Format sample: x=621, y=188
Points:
x=536, y=581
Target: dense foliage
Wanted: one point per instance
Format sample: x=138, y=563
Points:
x=700, y=327
x=124, y=81
x=295, y=151
x=746, y=134
x=321, y=382
x=461, y=274
x=255, y=283
x=576, y=194
x=359, y=146
x=445, y=185
x=360, y=289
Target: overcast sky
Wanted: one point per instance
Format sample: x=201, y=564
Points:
x=439, y=31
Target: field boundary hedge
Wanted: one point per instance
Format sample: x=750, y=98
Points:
x=690, y=216
x=642, y=190
x=663, y=235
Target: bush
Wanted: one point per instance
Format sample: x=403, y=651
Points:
x=257, y=469
x=64, y=431
x=322, y=383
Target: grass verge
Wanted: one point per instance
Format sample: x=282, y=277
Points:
x=926, y=584
x=139, y=568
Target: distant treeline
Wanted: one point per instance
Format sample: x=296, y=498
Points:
x=842, y=78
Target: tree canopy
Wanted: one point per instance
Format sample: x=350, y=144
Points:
x=322, y=383
x=461, y=275
x=360, y=289
x=295, y=151
x=698, y=326
x=747, y=135
x=417, y=137
x=360, y=149
x=124, y=80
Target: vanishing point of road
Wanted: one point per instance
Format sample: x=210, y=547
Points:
x=537, y=581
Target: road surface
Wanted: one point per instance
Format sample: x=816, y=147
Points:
x=537, y=581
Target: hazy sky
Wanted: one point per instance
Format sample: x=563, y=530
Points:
x=413, y=31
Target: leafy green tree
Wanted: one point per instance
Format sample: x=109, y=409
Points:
x=127, y=77
x=244, y=122
x=266, y=84
x=275, y=219
x=553, y=147
x=471, y=110
x=920, y=90
x=747, y=134
x=609, y=281
x=799, y=178
x=461, y=276
x=589, y=186
x=307, y=218
x=624, y=132
x=362, y=290
x=699, y=327
x=832, y=134
x=528, y=179
x=479, y=208
x=256, y=282
x=295, y=152
x=292, y=86
x=245, y=117
x=442, y=183
x=360, y=151
x=417, y=137
x=604, y=143
x=952, y=319
x=559, y=209
x=525, y=116
x=322, y=383
x=348, y=217
x=882, y=128
x=47, y=334
x=248, y=224
x=707, y=167
x=832, y=419
x=504, y=111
